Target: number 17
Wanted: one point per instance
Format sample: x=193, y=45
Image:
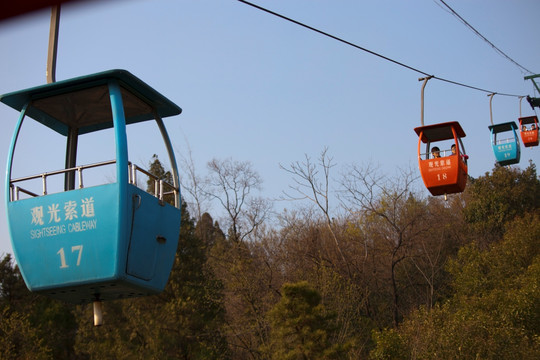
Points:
x=62, y=254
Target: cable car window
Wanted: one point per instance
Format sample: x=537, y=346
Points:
x=144, y=145
x=97, y=148
x=38, y=150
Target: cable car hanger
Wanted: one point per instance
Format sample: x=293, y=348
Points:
x=506, y=150
x=425, y=79
x=446, y=174
x=53, y=44
x=490, y=106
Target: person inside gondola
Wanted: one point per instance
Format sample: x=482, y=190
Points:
x=435, y=152
x=464, y=157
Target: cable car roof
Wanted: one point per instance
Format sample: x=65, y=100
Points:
x=83, y=102
x=528, y=120
x=507, y=126
x=438, y=132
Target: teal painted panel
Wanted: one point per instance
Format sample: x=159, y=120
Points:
x=507, y=153
x=153, y=240
x=68, y=238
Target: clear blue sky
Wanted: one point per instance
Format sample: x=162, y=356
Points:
x=257, y=88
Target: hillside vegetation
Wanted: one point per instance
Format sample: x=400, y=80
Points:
x=390, y=275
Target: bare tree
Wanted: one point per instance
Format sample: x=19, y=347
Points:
x=312, y=182
x=447, y=231
x=430, y=263
x=194, y=185
x=238, y=263
x=390, y=215
x=231, y=183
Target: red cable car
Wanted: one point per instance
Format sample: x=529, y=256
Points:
x=443, y=171
x=529, y=134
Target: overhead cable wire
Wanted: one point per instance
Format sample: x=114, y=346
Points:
x=369, y=51
x=483, y=37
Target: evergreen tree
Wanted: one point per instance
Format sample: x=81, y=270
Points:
x=12, y=288
x=300, y=326
x=156, y=168
x=18, y=338
x=209, y=232
x=194, y=310
x=32, y=326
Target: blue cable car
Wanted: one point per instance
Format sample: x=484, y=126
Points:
x=103, y=242
x=505, y=143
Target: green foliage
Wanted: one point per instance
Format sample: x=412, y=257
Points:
x=226, y=299
x=56, y=325
x=346, y=299
x=19, y=339
x=494, y=312
x=496, y=198
x=12, y=288
x=390, y=346
x=31, y=323
x=195, y=301
x=479, y=272
x=116, y=339
x=301, y=327
x=157, y=169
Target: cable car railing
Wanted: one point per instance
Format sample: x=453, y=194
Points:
x=504, y=141
x=430, y=155
x=442, y=154
x=159, y=185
